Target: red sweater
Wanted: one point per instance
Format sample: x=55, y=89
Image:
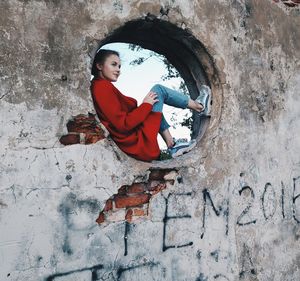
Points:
x=133, y=128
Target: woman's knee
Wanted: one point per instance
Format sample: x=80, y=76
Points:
x=157, y=88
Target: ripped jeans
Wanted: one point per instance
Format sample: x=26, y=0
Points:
x=170, y=97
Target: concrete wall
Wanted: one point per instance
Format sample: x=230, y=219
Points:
x=229, y=210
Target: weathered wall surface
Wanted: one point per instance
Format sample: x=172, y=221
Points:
x=230, y=210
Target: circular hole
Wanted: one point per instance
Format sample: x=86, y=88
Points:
x=181, y=49
x=141, y=69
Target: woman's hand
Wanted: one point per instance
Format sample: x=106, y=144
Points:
x=151, y=98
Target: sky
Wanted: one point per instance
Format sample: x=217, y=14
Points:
x=137, y=80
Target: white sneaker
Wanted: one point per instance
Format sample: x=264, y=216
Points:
x=181, y=148
x=204, y=98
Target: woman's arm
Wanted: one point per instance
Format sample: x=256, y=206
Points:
x=108, y=102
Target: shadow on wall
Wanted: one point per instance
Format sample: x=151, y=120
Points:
x=289, y=3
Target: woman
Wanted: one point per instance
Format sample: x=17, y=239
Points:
x=135, y=128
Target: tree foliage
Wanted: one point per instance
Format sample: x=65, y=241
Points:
x=171, y=72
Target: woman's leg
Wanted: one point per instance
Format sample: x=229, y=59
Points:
x=165, y=133
x=173, y=98
x=167, y=137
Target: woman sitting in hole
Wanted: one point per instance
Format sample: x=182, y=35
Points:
x=135, y=128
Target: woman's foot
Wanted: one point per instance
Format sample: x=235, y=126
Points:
x=181, y=147
x=204, y=99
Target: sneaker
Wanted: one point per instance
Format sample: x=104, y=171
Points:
x=204, y=98
x=181, y=147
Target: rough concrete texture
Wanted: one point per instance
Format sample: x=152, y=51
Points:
x=233, y=212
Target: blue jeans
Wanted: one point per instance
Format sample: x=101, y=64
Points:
x=170, y=97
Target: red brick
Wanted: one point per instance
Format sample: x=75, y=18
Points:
x=83, y=127
x=93, y=138
x=101, y=218
x=136, y=188
x=70, y=139
x=128, y=216
x=73, y=126
x=139, y=212
x=84, y=118
x=108, y=205
x=158, y=188
x=158, y=174
x=84, y=124
x=123, y=201
x=122, y=190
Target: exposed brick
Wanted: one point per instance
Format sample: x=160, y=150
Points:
x=74, y=127
x=136, y=188
x=158, y=174
x=101, y=218
x=122, y=190
x=128, y=216
x=70, y=139
x=91, y=118
x=116, y=215
x=84, y=117
x=152, y=184
x=108, y=205
x=132, y=200
x=87, y=126
x=93, y=138
x=122, y=201
x=139, y=212
x=158, y=188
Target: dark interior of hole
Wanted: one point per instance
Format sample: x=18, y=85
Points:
x=177, y=45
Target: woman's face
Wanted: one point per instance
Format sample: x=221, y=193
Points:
x=110, y=69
